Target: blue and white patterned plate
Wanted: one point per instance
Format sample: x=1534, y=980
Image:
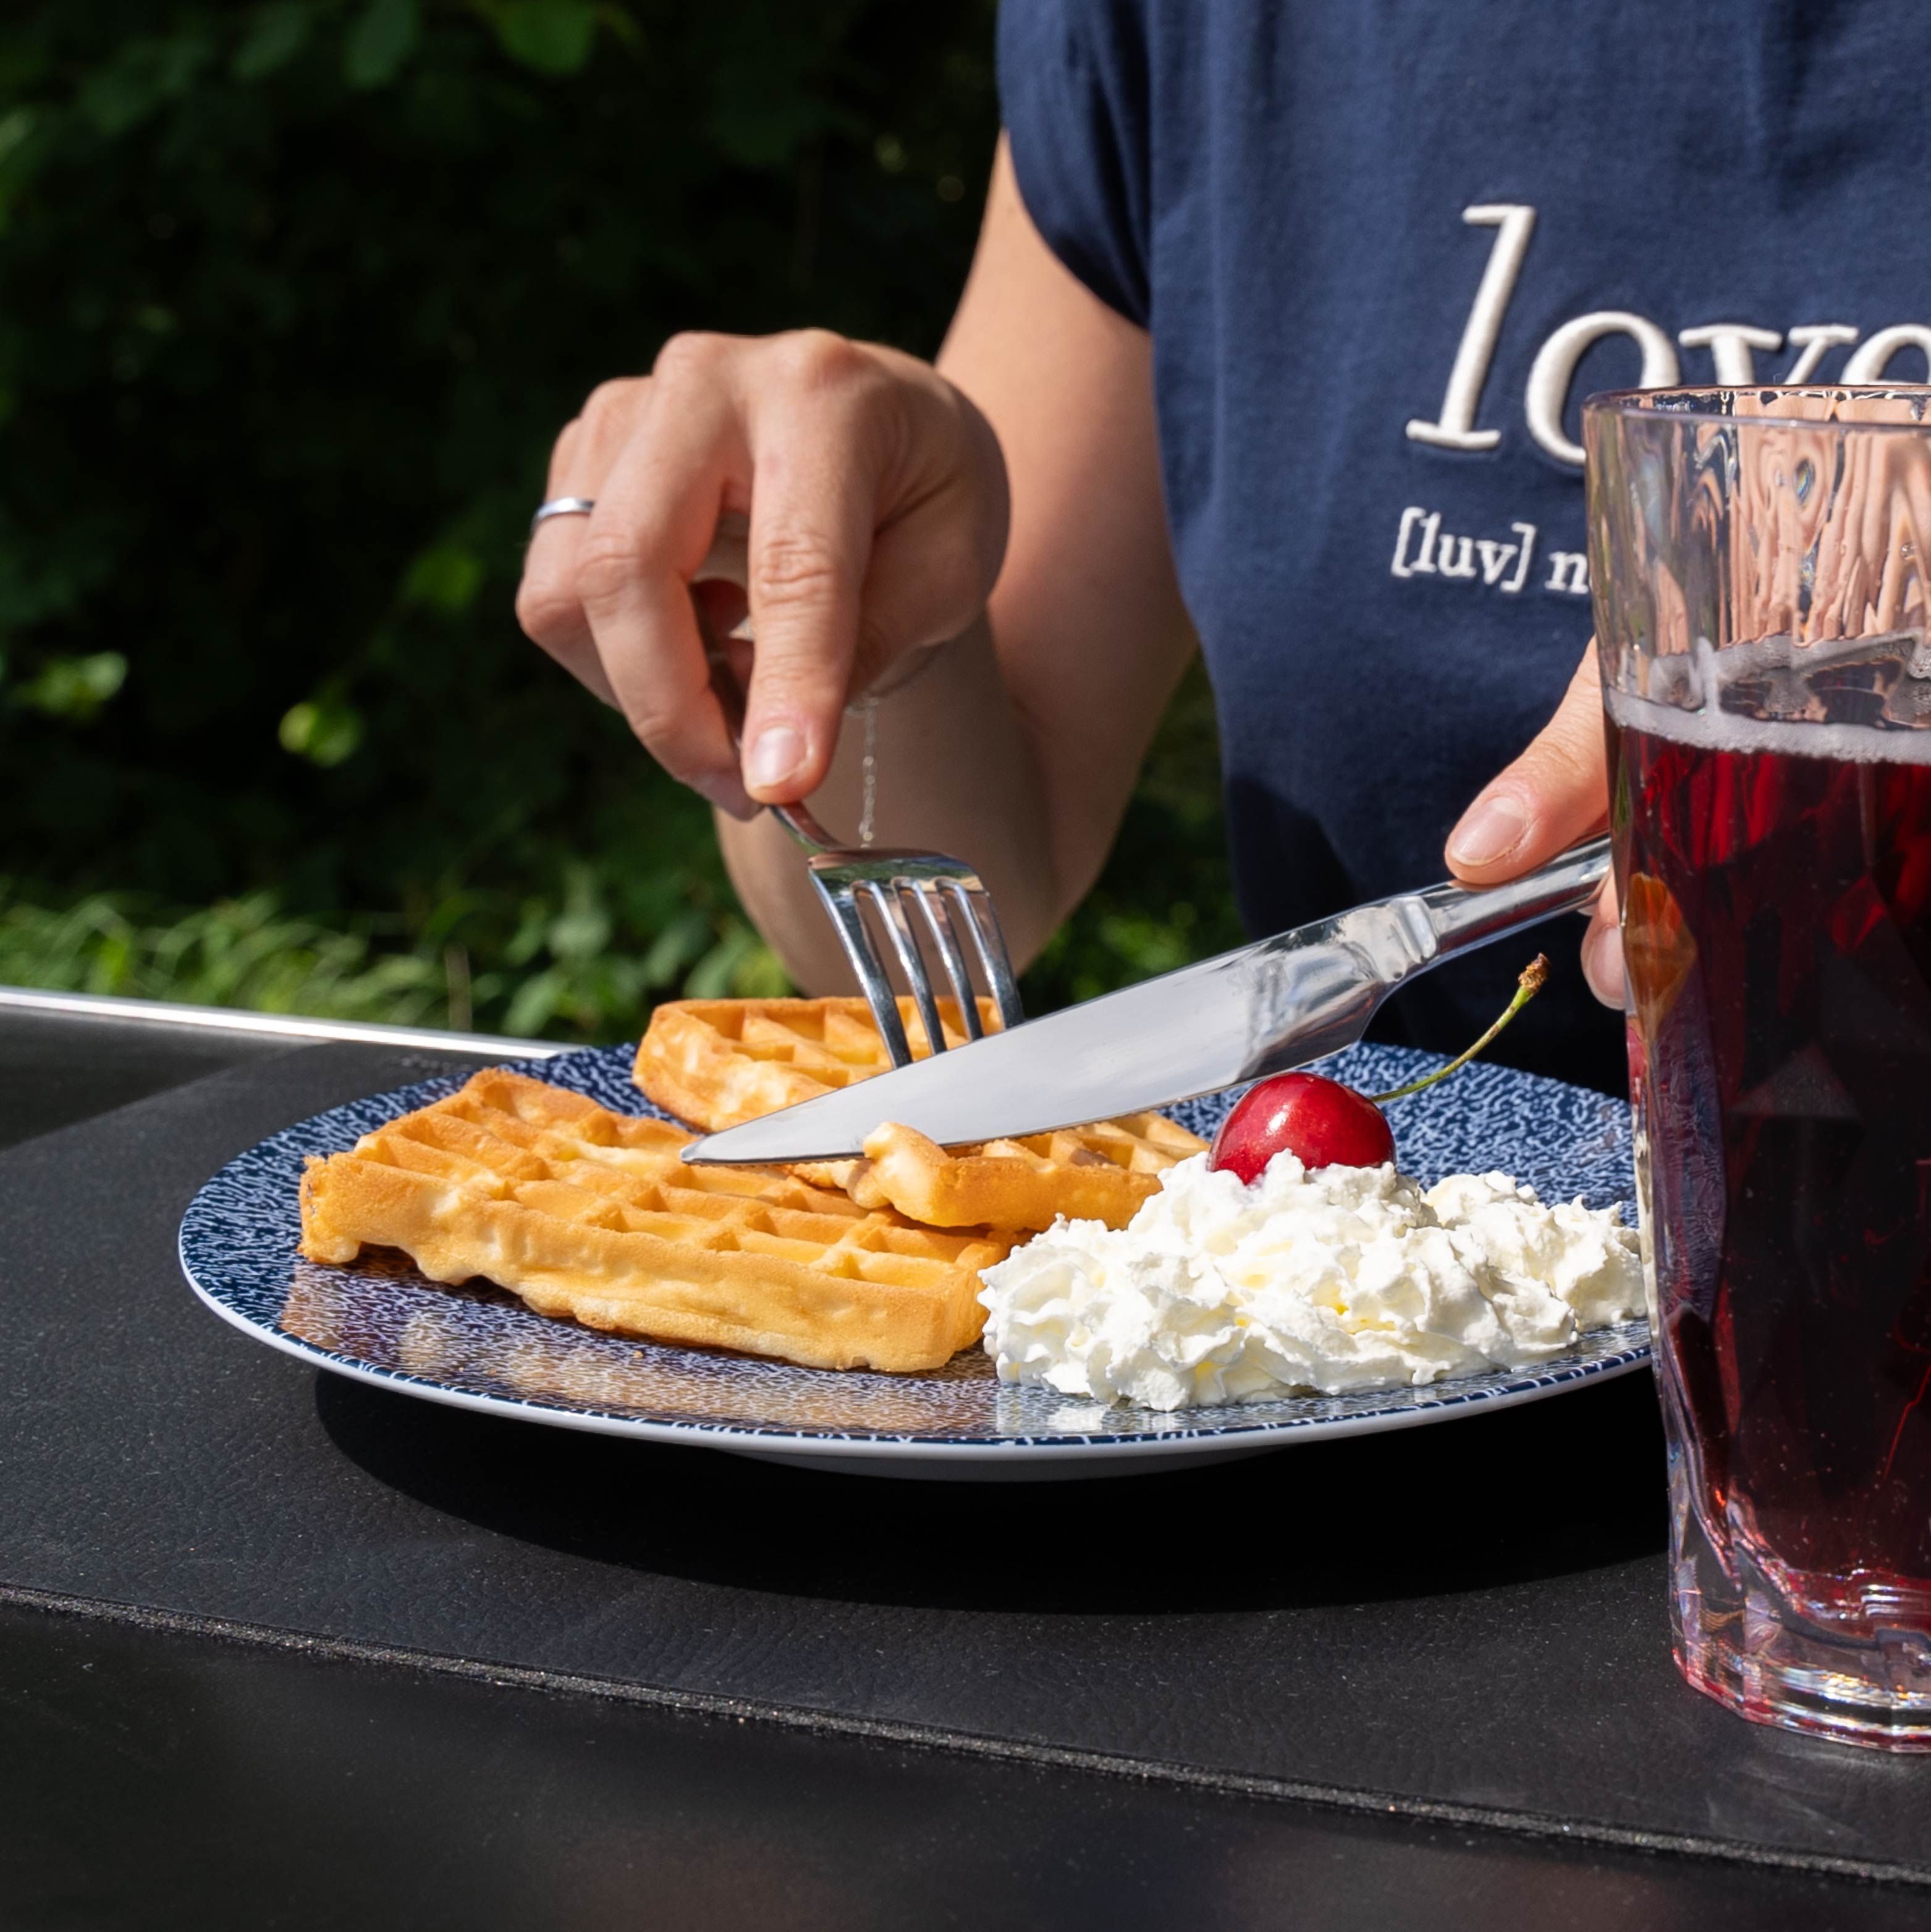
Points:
x=478, y=1347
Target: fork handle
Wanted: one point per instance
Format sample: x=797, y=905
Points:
x=803, y=827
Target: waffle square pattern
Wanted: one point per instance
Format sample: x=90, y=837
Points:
x=716, y=1062
x=719, y=1063
x=591, y=1215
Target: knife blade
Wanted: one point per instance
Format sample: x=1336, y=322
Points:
x=1277, y=1003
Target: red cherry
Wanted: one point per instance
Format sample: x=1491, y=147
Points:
x=1320, y=1121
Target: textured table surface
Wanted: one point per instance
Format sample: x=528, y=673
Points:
x=1451, y=1629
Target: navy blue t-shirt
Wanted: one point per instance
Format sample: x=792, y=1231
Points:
x=1384, y=251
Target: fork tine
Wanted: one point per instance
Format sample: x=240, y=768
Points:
x=983, y=922
x=887, y=896
x=945, y=936
x=841, y=908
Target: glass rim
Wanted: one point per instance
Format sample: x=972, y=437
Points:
x=1701, y=402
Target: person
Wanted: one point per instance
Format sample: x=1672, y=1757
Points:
x=1273, y=347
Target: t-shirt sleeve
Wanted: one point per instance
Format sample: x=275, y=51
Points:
x=1073, y=91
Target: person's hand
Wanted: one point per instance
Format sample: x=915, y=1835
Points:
x=1555, y=793
x=875, y=497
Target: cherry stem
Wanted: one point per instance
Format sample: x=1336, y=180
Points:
x=1535, y=976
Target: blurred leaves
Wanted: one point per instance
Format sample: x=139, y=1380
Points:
x=325, y=730
x=240, y=952
x=552, y=36
x=141, y=75
x=74, y=688
x=274, y=38
x=446, y=579
x=250, y=952
x=379, y=43
x=293, y=298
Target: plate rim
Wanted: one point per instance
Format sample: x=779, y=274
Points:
x=830, y=1443
x=1442, y=1400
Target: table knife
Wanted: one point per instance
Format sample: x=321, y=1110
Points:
x=1277, y=1003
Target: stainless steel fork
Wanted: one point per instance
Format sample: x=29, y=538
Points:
x=847, y=878
x=947, y=892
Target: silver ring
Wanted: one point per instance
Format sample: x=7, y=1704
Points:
x=562, y=506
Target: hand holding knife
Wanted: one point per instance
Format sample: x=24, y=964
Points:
x=1277, y=1003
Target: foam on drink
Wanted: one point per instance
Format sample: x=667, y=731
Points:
x=1865, y=701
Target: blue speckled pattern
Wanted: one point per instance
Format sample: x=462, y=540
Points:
x=380, y=1320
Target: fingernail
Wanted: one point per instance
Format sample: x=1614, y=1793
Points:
x=775, y=755
x=1491, y=829
x=1602, y=967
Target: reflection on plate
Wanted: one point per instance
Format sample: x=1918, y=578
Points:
x=481, y=1348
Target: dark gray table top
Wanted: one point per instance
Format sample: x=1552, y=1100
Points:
x=1417, y=1633
x=164, y=1780
x=58, y=1068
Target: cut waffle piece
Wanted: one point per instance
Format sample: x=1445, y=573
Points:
x=1099, y=1173
x=717, y=1062
x=588, y=1214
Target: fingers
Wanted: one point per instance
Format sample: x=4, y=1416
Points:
x=877, y=525
x=1556, y=793
x=684, y=463
x=934, y=562
x=547, y=605
x=1603, y=950
x=877, y=528
x=816, y=454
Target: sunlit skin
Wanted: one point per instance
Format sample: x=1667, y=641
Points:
x=984, y=538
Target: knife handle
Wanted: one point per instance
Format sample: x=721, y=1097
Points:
x=1462, y=917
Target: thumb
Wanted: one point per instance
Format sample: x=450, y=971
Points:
x=1603, y=950
x=1556, y=793
x=810, y=540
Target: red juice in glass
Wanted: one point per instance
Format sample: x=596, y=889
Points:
x=1773, y=853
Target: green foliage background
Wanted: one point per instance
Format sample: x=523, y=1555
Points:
x=292, y=299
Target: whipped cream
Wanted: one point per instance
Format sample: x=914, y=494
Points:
x=1338, y=1279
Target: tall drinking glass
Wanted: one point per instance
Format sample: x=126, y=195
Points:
x=1757, y=562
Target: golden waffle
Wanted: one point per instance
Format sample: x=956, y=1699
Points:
x=589, y=1214
x=1099, y=1173
x=717, y=1062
